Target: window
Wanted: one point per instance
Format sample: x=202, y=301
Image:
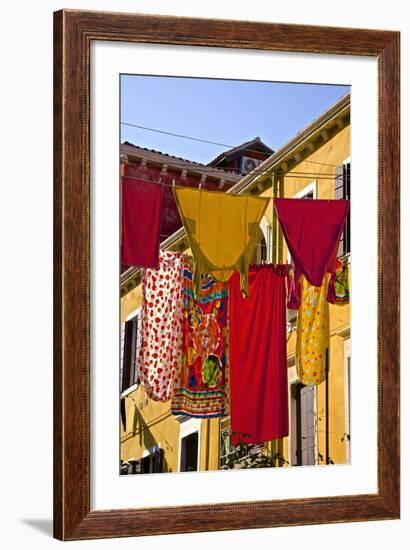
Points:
x=189, y=443
x=342, y=191
x=346, y=435
x=130, y=345
x=152, y=462
x=309, y=195
x=149, y=464
x=189, y=453
x=303, y=424
x=264, y=246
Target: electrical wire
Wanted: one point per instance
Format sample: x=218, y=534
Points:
x=189, y=137
x=201, y=140
x=293, y=175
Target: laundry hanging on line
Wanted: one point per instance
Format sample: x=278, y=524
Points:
x=161, y=327
x=222, y=231
x=140, y=222
x=338, y=292
x=313, y=338
x=183, y=353
x=312, y=230
x=202, y=391
x=257, y=350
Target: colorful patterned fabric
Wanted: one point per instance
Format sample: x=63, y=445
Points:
x=161, y=330
x=202, y=391
x=338, y=291
x=312, y=333
x=222, y=231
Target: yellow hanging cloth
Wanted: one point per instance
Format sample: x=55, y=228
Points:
x=222, y=231
x=312, y=333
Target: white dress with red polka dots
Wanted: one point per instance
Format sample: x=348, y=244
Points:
x=161, y=331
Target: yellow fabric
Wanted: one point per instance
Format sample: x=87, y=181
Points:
x=222, y=231
x=312, y=333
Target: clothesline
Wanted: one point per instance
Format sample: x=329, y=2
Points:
x=300, y=175
x=207, y=141
x=256, y=244
x=221, y=171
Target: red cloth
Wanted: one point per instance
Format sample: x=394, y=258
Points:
x=257, y=351
x=141, y=218
x=312, y=230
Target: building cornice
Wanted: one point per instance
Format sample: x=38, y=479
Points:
x=136, y=154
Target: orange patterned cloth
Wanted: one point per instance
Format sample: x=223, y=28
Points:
x=202, y=391
x=312, y=333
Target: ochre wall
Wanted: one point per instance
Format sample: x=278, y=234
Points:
x=334, y=153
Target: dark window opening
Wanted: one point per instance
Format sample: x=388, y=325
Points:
x=342, y=191
x=263, y=251
x=150, y=464
x=189, y=453
x=130, y=345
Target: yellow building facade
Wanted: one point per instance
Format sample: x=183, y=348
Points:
x=314, y=164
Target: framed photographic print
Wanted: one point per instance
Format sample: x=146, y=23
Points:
x=226, y=275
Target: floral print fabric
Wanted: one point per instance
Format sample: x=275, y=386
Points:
x=161, y=330
x=338, y=291
x=202, y=390
x=312, y=333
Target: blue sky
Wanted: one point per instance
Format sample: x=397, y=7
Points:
x=225, y=111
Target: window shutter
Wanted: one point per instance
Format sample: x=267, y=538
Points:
x=307, y=425
x=303, y=426
x=157, y=460
x=122, y=353
x=137, y=346
x=128, y=355
x=340, y=194
x=130, y=343
x=342, y=191
x=346, y=181
x=310, y=424
x=123, y=414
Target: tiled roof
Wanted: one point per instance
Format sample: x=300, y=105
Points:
x=161, y=153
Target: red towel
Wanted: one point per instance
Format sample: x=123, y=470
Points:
x=141, y=217
x=257, y=351
x=312, y=230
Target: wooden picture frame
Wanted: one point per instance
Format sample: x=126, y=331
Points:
x=74, y=32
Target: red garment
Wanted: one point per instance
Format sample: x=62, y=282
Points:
x=257, y=351
x=141, y=217
x=312, y=230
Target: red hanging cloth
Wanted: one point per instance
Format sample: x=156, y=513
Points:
x=141, y=217
x=312, y=230
x=257, y=351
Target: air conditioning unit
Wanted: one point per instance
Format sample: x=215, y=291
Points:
x=248, y=164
